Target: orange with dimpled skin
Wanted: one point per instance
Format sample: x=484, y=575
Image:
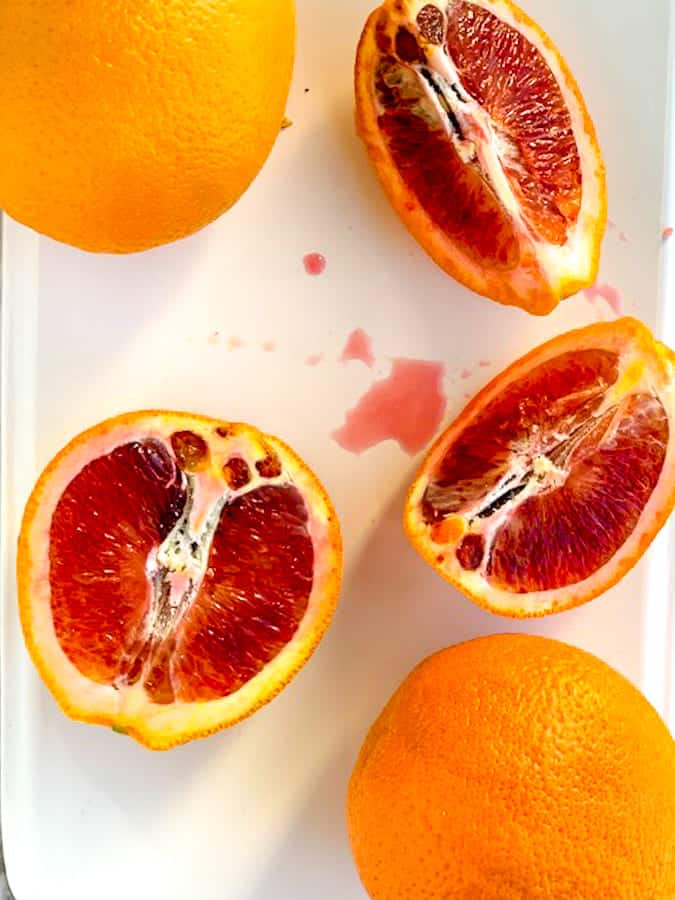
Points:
x=130, y=124
x=515, y=767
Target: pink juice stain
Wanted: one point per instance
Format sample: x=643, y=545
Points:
x=359, y=346
x=485, y=363
x=269, y=346
x=612, y=226
x=607, y=293
x=314, y=263
x=667, y=233
x=314, y=359
x=464, y=374
x=406, y=407
x=235, y=343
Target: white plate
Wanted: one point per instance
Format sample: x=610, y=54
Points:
x=256, y=813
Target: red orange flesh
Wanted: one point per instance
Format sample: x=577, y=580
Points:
x=174, y=572
x=553, y=481
x=482, y=141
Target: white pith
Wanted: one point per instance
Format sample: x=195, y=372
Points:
x=569, y=263
x=174, y=571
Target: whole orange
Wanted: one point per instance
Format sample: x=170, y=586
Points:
x=125, y=124
x=515, y=768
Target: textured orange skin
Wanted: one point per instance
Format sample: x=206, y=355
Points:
x=494, y=284
x=515, y=768
x=28, y=552
x=626, y=331
x=130, y=123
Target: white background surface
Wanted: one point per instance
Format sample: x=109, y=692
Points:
x=256, y=813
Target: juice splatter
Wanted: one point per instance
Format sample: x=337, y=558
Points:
x=464, y=374
x=406, y=407
x=235, y=343
x=359, y=346
x=667, y=233
x=314, y=263
x=484, y=363
x=607, y=293
x=612, y=226
x=269, y=346
x=314, y=359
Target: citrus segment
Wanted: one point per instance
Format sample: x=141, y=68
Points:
x=461, y=204
x=254, y=594
x=533, y=412
x=510, y=79
x=108, y=519
x=482, y=141
x=562, y=537
x=554, y=480
x=174, y=572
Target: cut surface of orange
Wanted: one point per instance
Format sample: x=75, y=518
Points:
x=554, y=480
x=174, y=573
x=482, y=141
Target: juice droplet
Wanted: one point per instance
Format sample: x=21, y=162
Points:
x=464, y=374
x=485, y=363
x=269, y=346
x=314, y=263
x=667, y=232
x=235, y=343
x=314, y=359
x=607, y=293
x=406, y=407
x=359, y=346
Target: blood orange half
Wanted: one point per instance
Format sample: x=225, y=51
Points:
x=554, y=480
x=174, y=572
x=483, y=143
